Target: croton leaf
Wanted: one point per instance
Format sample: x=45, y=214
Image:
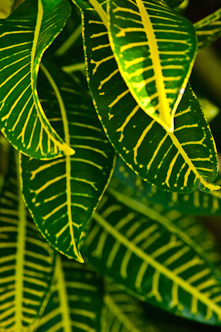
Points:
x=178, y=161
x=196, y=203
x=122, y=312
x=208, y=29
x=154, y=259
x=155, y=48
x=24, y=37
x=76, y=299
x=26, y=260
x=63, y=193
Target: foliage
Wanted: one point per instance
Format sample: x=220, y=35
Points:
x=112, y=177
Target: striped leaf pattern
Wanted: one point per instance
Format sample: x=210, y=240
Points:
x=208, y=29
x=178, y=161
x=26, y=261
x=172, y=3
x=24, y=37
x=62, y=194
x=76, y=300
x=196, y=203
x=155, y=48
x=123, y=313
x=153, y=259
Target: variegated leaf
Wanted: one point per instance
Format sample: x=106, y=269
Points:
x=197, y=203
x=154, y=259
x=62, y=194
x=76, y=300
x=178, y=161
x=24, y=37
x=26, y=260
x=208, y=29
x=155, y=48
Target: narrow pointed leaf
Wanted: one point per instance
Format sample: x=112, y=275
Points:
x=122, y=312
x=24, y=37
x=196, y=203
x=178, y=161
x=208, y=29
x=155, y=48
x=76, y=300
x=26, y=261
x=62, y=194
x=154, y=260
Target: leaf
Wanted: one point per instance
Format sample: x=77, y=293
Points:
x=208, y=29
x=24, y=37
x=26, y=260
x=155, y=48
x=76, y=300
x=172, y=3
x=62, y=194
x=196, y=203
x=122, y=312
x=153, y=259
x=177, y=161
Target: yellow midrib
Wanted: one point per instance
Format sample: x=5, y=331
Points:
x=63, y=297
x=164, y=114
x=159, y=267
x=67, y=159
x=98, y=8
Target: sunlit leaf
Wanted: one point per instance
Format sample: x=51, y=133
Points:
x=76, y=300
x=208, y=29
x=63, y=193
x=26, y=260
x=178, y=161
x=153, y=259
x=24, y=36
x=155, y=48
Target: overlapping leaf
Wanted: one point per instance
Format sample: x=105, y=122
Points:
x=208, y=29
x=197, y=203
x=24, y=37
x=122, y=312
x=62, y=194
x=178, y=161
x=151, y=257
x=26, y=261
x=76, y=300
x=155, y=48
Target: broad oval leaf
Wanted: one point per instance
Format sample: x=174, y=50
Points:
x=153, y=259
x=26, y=260
x=76, y=300
x=196, y=203
x=208, y=29
x=177, y=161
x=24, y=37
x=62, y=194
x=155, y=48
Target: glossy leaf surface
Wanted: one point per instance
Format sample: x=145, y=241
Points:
x=208, y=29
x=24, y=37
x=177, y=161
x=26, y=260
x=154, y=259
x=197, y=203
x=62, y=194
x=76, y=300
x=155, y=48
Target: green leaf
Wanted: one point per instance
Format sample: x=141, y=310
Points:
x=155, y=48
x=62, y=194
x=122, y=312
x=26, y=260
x=76, y=300
x=196, y=203
x=24, y=37
x=208, y=29
x=177, y=161
x=153, y=259
x=171, y=3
